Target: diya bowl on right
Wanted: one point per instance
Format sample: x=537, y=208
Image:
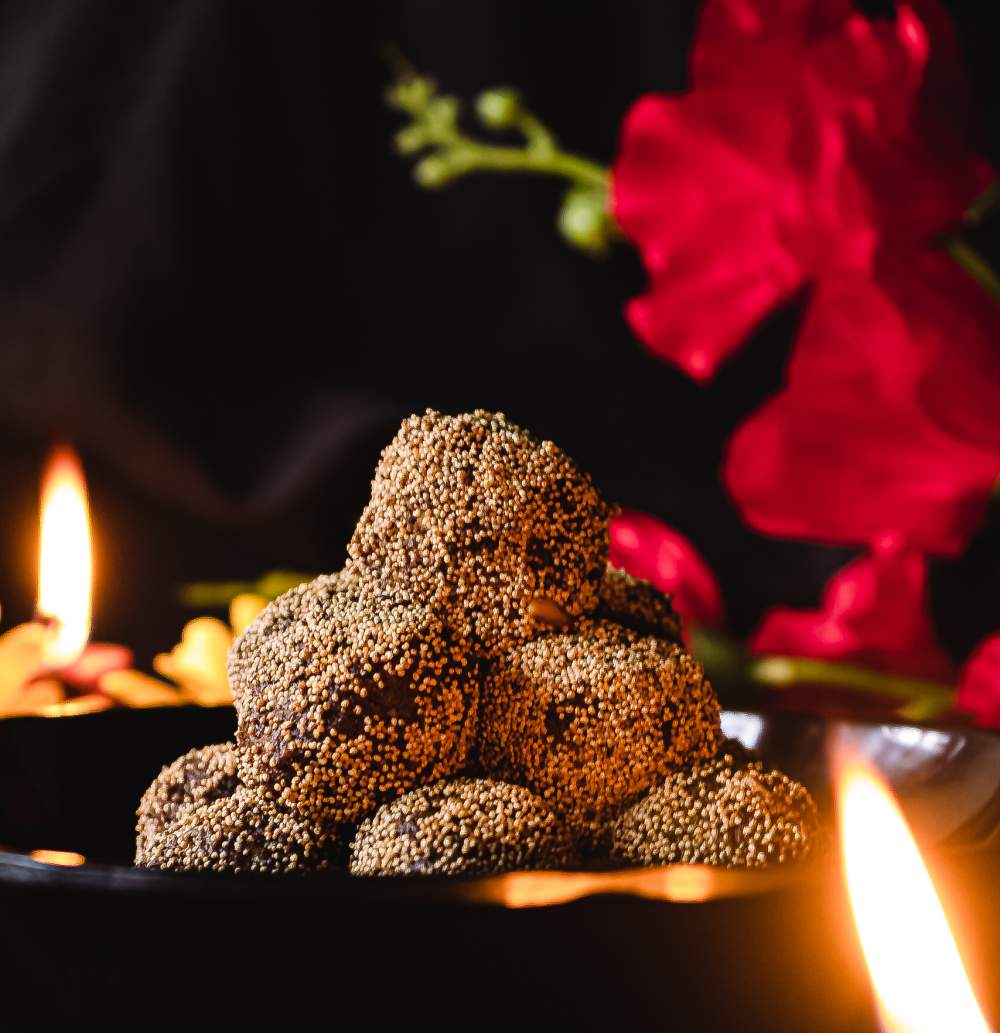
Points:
x=676, y=947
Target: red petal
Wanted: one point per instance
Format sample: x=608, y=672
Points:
x=873, y=612
x=647, y=548
x=961, y=388
x=845, y=451
x=705, y=217
x=979, y=684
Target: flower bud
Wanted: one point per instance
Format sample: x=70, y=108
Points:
x=412, y=93
x=584, y=220
x=433, y=171
x=441, y=114
x=411, y=139
x=498, y=108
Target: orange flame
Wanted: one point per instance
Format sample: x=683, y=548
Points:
x=919, y=979
x=65, y=564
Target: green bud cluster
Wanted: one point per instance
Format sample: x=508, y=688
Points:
x=447, y=152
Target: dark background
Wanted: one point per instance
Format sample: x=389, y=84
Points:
x=219, y=282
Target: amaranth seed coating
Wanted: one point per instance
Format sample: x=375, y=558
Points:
x=474, y=516
x=267, y=624
x=638, y=605
x=240, y=833
x=728, y=812
x=462, y=827
x=200, y=776
x=591, y=718
x=350, y=699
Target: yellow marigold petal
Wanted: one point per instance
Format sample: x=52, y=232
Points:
x=20, y=659
x=243, y=610
x=198, y=662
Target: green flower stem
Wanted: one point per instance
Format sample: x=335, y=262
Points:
x=730, y=668
x=469, y=156
x=983, y=204
x=974, y=264
x=786, y=672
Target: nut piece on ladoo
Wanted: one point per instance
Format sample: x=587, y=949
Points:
x=463, y=827
x=475, y=516
x=589, y=719
x=240, y=833
x=728, y=812
x=200, y=776
x=638, y=605
x=349, y=699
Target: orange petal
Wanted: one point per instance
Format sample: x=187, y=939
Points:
x=88, y=704
x=35, y=697
x=135, y=689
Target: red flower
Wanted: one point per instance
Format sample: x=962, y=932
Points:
x=848, y=450
x=873, y=613
x=979, y=684
x=798, y=153
x=648, y=549
x=961, y=388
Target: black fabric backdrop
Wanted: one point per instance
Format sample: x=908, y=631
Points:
x=219, y=282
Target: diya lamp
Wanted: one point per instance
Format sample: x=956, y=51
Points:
x=859, y=942
x=49, y=665
x=50, y=668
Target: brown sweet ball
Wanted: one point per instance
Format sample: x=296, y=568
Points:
x=267, y=624
x=240, y=833
x=589, y=719
x=200, y=776
x=475, y=516
x=728, y=812
x=469, y=826
x=638, y=605
x=349, y=699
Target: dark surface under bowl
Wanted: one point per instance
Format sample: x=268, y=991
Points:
x=134, y=949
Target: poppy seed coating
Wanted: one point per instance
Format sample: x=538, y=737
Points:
x=240, y=833
x=590, y=718
x=728, y=812
x=475, y=517
x=638, y=605
x=464, y=827
x=198, y=777
x=350, y=699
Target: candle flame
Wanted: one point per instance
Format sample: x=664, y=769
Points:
x=65, y=563
x=919, y=979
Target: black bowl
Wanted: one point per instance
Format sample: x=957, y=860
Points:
x=87, y=935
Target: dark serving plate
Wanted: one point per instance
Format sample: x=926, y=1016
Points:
x=86, y=935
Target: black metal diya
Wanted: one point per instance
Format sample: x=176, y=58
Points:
x=678, y=948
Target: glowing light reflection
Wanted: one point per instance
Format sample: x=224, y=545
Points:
x=918, y=975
